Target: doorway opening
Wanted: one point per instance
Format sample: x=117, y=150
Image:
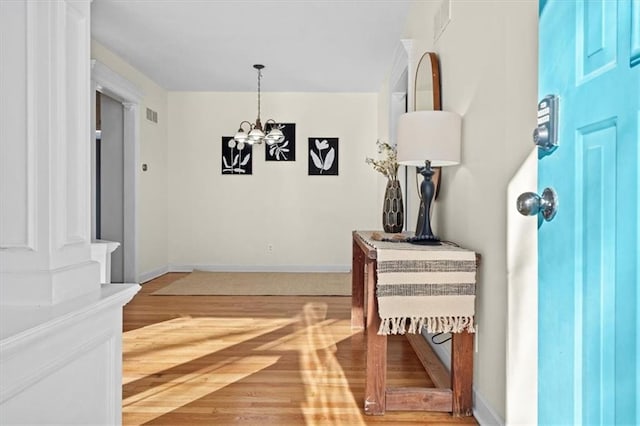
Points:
x=108, y=169
x=114, y=172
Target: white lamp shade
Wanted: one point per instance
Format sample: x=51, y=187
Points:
x=274, y=136
x=429, y=135
x=256, y=135
x=240, y=136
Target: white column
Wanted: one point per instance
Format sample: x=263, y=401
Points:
x=45, y=255
x=60, y=363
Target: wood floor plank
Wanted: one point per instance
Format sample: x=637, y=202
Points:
x=263, y=360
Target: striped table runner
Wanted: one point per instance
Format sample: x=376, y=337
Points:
x=430, y=286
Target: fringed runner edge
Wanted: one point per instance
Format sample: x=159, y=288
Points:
x=432, y=325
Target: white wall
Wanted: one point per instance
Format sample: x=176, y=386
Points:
x=227, y=222
x=152, y=199
x=488, y=60
x=491, y=79
x=186, y=207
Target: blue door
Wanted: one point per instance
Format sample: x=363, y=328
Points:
x=588, y=260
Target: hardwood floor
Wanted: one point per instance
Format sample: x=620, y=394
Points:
x=254, y=360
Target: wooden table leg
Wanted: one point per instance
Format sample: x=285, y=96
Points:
x=376, y=374
x=357, y=287
x=462, y=373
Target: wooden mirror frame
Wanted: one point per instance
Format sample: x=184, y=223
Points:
x=430, y=59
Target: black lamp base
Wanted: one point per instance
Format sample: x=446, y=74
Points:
x=424, y=240
x=424, y=235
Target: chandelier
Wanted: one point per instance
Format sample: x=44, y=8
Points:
x=253, y=133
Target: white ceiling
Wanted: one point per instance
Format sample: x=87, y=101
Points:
x=211, y=45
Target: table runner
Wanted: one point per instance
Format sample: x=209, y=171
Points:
x=430, y=286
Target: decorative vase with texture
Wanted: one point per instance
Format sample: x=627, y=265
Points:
x=393, y=208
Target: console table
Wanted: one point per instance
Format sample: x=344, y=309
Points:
x=452, y=392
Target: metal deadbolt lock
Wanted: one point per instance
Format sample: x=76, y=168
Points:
x=545, y=135
x=530, y=204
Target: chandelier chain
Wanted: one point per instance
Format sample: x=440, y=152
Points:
x=259, y=77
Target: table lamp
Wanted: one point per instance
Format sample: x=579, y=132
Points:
x=426, y=139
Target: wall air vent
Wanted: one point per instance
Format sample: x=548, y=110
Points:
x=152, y=115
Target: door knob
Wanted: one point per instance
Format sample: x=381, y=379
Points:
x=530, y=204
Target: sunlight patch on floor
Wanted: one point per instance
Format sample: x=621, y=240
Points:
x=191, y=339
x=172, y=393
x=294, y=341
x=321, y=372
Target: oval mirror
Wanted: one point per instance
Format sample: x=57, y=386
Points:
x=427, y=85
x=427, y=97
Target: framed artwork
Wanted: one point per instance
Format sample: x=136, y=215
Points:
x=323, y=156
x=285, y=150
x=236, y=157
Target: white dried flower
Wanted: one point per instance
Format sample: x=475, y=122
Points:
x=388, y=166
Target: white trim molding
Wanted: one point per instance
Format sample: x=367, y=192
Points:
x=155, y=273
x=113, y=84
x=483, y=412
x=260, y=268
x=107, y=81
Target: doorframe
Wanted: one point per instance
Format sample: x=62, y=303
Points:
x=107, y=81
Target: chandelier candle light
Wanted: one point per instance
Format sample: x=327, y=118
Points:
x=254, y=133
x=426, y=139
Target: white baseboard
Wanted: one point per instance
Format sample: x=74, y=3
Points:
x=261, y=268
x=482, y=411
x=155, y=273
x=149, y=275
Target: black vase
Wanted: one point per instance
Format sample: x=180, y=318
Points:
x=393, y=208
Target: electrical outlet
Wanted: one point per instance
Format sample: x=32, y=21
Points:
x=270, y=248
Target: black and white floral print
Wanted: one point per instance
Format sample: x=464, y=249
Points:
x=236, y=157
x=285, y=150
x=323, y=156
